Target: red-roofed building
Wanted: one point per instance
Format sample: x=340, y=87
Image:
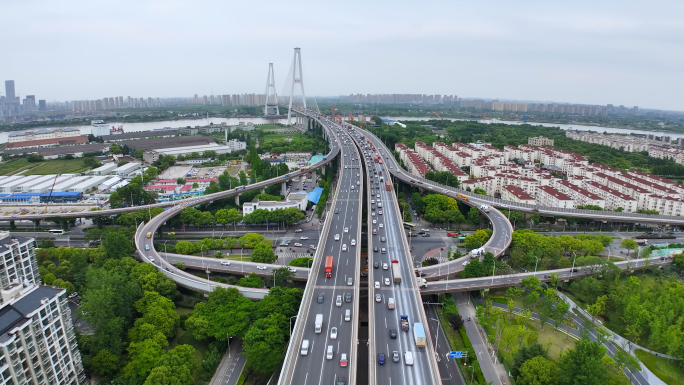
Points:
x=549, y=196
x=581, y=196
x=162, y=188
x=613, y=198
x=516, y=194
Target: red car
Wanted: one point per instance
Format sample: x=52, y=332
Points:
x=452, y=234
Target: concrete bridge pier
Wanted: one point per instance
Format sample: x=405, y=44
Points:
x=13, y=226
x=283, y=188
x=36, y=223
x=263, y=190
x=237, y=199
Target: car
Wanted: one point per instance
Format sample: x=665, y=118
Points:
x=385, y=266
x=376, y=265
x=395, y=356
x=347, y=297
x=350, y=281
x=393, y=334
x=378, y=298
x=364, y=274
x=408, y=358
x=358, y=183
x=379, y=204
x=380, y=212
x=303, y=238
x=377, y=284
x=382, y=225
x=383, y=250
x=372, y=201
x=147, y=247
x=343, y=360
x=387, y=282
x=381, y=358
x=312, y=247
x=261, y=267
x=338, y=300
x=353, y=242
x=375, y=221
x=378, y=196
x=333, y=333
x=321, y=298
x=383, y=239
x=375, y=249
x=151, y=258
x=337, y=237
x=346, y=229
x=298, y=245
x=341, y=381
x=375, y=232
x=298, y=231
x=337, y=211
x=225, y=263
x=344, y=247
x=292, y=269
x=372, y=213
x=426, y=235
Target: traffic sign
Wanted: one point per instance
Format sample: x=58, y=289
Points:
x=456, y=354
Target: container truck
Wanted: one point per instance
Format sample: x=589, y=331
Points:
x=387, y=185
x=396, y=271
x=319, y=323
x=328, y=266
x=404, y=323
x=419, y=335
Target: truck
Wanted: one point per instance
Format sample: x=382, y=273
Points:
x=376, y=158
x=461, y=196
x=328, y=266
x=387, y=185
x=319, y=323
x=484, y=208
x=396, y=271
x=419, y=335
x=422, y=282
x=475, y=253
x=641, y=242
x=380, y=161
x=404, y=323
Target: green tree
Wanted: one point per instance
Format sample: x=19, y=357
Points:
x=629, y=244
x=174, y=367
x=117, y=245
x=263, y=252
x=226, y=312
x=265, y=343
x=283, y=277
x=583, y=364
x=142, y=358
x=252, y=280
x=526, y=353
x=105, y=363
x=538, y=371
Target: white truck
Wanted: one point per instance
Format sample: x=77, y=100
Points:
x=422, y=282
x=476, y=253
x=484, y=208
x=319, y=323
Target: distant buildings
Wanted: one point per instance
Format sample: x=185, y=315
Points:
x=45, y=137
x=540, y=141
x=298, y=200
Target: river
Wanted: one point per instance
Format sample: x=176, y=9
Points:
x=149, y=126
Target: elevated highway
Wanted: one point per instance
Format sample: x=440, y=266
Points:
x=323, y=344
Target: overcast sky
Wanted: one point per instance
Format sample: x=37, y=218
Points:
x=594, y=52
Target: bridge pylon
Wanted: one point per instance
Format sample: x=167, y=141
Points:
x=271, y=106
x=297, y=78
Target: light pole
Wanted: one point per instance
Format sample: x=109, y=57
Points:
x=228, y=344
x=536, y=259
x=493, y=269
x=573, y=263
x=294, y=316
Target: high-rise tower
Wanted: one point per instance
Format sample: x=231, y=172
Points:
x=271, y=105
x=296, y=79
x=10, y=95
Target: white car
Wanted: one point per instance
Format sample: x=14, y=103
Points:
x=298, y=231
x=261, y=267
x=338, y=300
x=380, y=212
x=372, y=201
x=337, y=237
x=378, y=196
x=298, y=245
x=292, y=269
x=375, y=221
x=333, y=333
x=303, y=238
x=353, y=242
x=387, y=282
x=225, y=263
x=346, y=229
x=312, y=247
x=381, y=225
x=377, y=284
x=385, y=266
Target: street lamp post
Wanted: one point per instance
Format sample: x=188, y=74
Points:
x=536, y=259
x=228, y=345
x=573, y=263
x=294, y=316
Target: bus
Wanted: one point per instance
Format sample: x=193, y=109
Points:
x=56, y=231
x=409, y=225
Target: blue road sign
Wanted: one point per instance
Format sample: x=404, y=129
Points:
x=456, y=354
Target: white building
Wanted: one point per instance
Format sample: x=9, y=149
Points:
x=42, y=134
x=297, y=199
x=104, y=169
x=516, y=194
x=126, y=169
x=549, y=196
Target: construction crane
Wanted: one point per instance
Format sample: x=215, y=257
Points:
x=440, y=118
x=50, y=196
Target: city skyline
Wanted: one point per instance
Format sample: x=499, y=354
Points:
x=611, y=53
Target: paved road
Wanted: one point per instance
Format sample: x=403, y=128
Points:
x=232, y=364
x=448, y=368
x=315, y=367
x=383, y=211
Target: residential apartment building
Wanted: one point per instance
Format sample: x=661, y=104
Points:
x=540, y=141
x=549, y=196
